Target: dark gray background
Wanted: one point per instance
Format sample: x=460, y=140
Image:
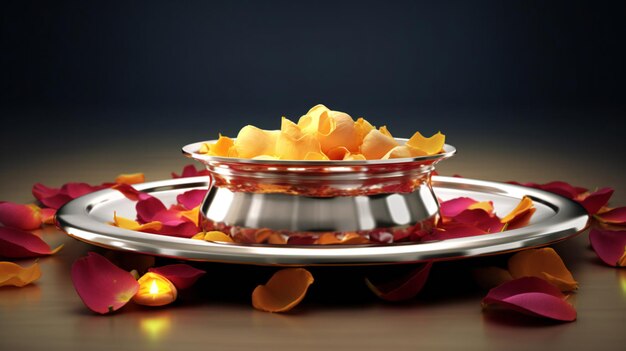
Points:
x=544, y=77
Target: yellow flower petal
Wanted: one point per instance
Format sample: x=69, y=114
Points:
x=252, y=141
x=431, y=146
x=192, y=215
x=221, y=147
x=313, y=122
x=401, y=151
x=486, y=206
x=12, y=274
x=376, y=145
x=134, y=225
x=199, y=236
x=217, y=236
x=521, y=213
x=265, y=157
x=315, y=156
x=341, y=132
x=385, y=131
x=354, y=157
x=543, y=263
x=285, y=289
x=289, y=148
x=362, y=128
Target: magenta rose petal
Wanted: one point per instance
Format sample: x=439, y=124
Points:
x=181, y=275
x=130, y=192
x=101, y=285
x=16, y=243
x=615, y=216
x=192, y=198
x=596, y=200
x=20, y=216
x=533, y=296
x=191, y=171
x=455, y=206
x=609, y=245
x=403, y=288
x=481, y=219
x=148, y=209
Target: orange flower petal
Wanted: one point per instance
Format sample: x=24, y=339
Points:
x=289, y=148
x=401, y=151
x=341, y=133
x=338, y=153
x=252, y=141
x=376, y=145
x=285, y=289
x=193, y=215
x=221, y=147
x=486, y=206
x=155, y=290
x=217, y=236
x=354, y=157
x=385, y=131
x=543, y=263
x=431, y=146
x=315, y=121
x=134, y=225
x=521, y=214
x=362, y=128
x=132, y=178
x=12, y=274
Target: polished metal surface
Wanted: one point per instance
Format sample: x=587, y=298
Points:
x=556, y=218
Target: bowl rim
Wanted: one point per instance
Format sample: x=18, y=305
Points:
x=190, y=150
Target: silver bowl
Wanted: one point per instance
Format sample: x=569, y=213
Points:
x=304, y=199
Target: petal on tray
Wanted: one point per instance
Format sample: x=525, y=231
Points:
x=403, y=288
x=26, y=217
x=16, y=243
x=132, y=178
x=215, y=236
x=101, y=285
x=520, y=215
x=533, y=296
x=609, y=245
x=453, y=207
x=616, y=216
x=131, y=193
x=190, y=171
x=595, y=201
x=285, y=289
x=481, y=219
x=134, y=225
x=12, y=274
x=181, y=275
x=453, y=230
x=542, y=263
x=192, y=198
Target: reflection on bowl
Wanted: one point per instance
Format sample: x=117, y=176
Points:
x=307, y=202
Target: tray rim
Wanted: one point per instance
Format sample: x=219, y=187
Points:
x=570, y=219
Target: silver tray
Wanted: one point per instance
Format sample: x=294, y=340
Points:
x=556, y=218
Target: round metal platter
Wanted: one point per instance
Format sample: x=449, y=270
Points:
x=556, y=218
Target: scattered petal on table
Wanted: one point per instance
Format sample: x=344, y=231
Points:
x=285, y=289
x=403, y=288
x=542, y=263
x=181, y=275
x=191, y=171
x=101, y=285
x=192, y=198
x=533, y=296
x=57, y=197
x=132, y=178
x=16, y=243
x=609, y=245
x=26, y=217
x=595, y=201
x=615, y=216
x=155, y=290
x=12, y=274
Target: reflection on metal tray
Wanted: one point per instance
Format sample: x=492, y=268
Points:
x=556, y=218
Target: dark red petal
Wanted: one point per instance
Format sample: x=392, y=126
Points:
x=481, y=219
x=192, y=198
x=101, y=285
x=609, y=245
x=180, y=228
x=596, y=200
x=20, y=216
x=455, y=206
x=181, y=275
x=615, y=216
x=74, y=190
x=403, y=288
x=148, y=208
x=131, y=193
x=533, y=296
x=41, y=191
x=562, y=188
x=15, y=243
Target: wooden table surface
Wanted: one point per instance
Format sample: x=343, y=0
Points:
x=338, y=313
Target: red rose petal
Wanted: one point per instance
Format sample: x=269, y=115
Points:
x=180, y=228
x=455, y=206
x=192, y=198
x=148, y=209
x=57, y=197
x=20, y=216
x=16, y=243
x=181, y=275
x=404, y=288
x=596, y=200
x=48, y=215
x=481, y=219
x=615, y=216
x=130, y=192
x=533, y=296
x=609, y=245
x=191, y=171
x=101, y=285
x=562, y=188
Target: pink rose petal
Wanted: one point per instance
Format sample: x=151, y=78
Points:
x=101, y=285
x=192, y=198
x=481, y=219
x=596, y=200
x=16, y=243
x=455, y=206
x=403, y=288
x=191, y=171
x=20, y=216
x=615, y=216
x=181, y=275
x=609, y=245
x=533, y=296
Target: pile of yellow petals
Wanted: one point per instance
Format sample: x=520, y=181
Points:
x=322, y=134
